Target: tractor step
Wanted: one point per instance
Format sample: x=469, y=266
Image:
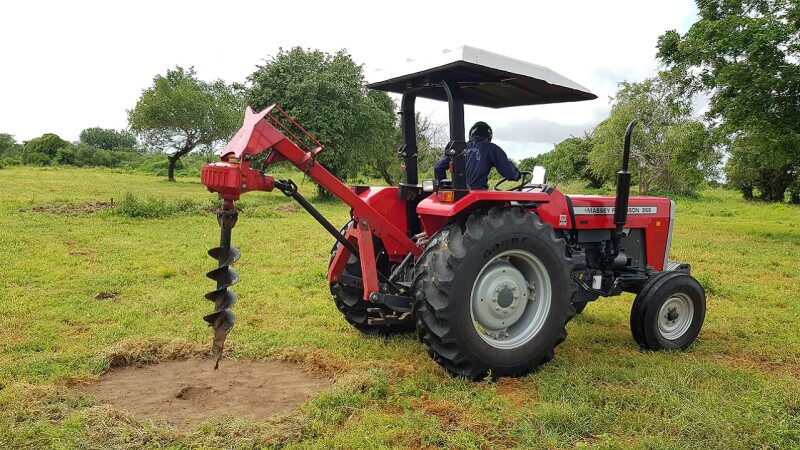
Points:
x=383, y=319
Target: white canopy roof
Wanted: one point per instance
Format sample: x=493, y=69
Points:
x=486, y=79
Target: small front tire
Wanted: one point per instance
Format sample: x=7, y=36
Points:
x=668, y=312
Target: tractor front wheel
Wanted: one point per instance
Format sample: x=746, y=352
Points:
x=668, y=312
x=493, y=294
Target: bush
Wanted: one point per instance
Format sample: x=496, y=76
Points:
x=84, y=155
x=66, y=156
x=157, y=164
x=8, y=161
x=188, y=166
x=156, y=208
x=37, y=159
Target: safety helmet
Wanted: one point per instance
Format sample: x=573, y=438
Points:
x=481, y=129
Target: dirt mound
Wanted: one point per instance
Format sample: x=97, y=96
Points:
x=185, y=393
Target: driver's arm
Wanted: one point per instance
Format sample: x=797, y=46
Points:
x=440, y=169
x=505, y=167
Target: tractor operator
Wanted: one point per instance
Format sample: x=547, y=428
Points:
x=482, y=155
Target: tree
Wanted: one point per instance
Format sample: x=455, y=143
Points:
x=325, y=93
x=181, y=112
x=432, y=137
x=669, y=150
x=431, y=140
x=384, y=139
x=569, y=160
x=41, y=150
x=8, y=145
x=744, y=54
x=108, y=139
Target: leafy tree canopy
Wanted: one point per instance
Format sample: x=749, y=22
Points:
x=669, y=150
x=569, y=160
x=181, y=113
x=325, y=93
x=745, y=54
x=108, y=139
x=8, y=145
x=41, y=150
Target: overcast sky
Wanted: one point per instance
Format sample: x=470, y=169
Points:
x=71, y=65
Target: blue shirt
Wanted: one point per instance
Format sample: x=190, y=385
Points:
x=482, y=155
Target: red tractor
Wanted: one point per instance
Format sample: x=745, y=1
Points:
x=488, y=279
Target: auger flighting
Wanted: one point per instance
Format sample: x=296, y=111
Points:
x=222, y=319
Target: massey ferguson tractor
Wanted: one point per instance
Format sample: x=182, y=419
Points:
x=488, y=279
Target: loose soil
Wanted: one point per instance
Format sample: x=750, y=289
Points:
x=185, y=393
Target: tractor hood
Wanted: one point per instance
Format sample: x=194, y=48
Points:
x=486, y=79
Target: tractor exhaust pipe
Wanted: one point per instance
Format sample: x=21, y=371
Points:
x=623, y=194
x=624, y=182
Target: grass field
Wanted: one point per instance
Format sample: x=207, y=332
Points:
x=86, y=287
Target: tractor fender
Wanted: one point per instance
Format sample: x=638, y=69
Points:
x=550, y=205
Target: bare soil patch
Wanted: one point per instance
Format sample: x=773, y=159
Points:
x=287, y=208
x=185, y=393
x=71, y=209
x=106, y=295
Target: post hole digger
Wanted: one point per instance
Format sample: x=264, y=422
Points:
x=489, y=279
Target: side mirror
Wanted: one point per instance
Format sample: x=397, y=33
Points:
x=539, y=176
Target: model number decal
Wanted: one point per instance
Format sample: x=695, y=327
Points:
x=607, y=210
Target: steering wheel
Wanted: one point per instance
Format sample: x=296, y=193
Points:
x=522, y=175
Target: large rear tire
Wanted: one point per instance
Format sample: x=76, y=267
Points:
x=493, y=294
x=349, y=299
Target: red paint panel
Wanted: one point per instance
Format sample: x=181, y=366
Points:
x=655, y=223
x=434, y=213
x=386, y=202
x=369, y=269
x=342, y=256
x=649, y=213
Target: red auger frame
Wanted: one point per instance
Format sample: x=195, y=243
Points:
x=265, y=131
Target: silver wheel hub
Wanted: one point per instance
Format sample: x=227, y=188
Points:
x=675, y=316
x=510, y=299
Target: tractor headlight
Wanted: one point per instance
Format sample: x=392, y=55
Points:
x=428, y=185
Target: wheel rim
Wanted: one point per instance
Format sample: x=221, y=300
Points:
x=675, y=316
x=510, y=299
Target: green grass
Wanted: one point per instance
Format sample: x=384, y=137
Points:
x=736, y=387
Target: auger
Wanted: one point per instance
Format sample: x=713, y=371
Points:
x=222, y=319
x=489, y=278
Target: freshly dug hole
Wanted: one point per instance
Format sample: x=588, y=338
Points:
x=186, y=393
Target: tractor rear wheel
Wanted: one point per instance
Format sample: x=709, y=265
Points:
x=493, y=294
x=349, y=299
x=668, y=312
